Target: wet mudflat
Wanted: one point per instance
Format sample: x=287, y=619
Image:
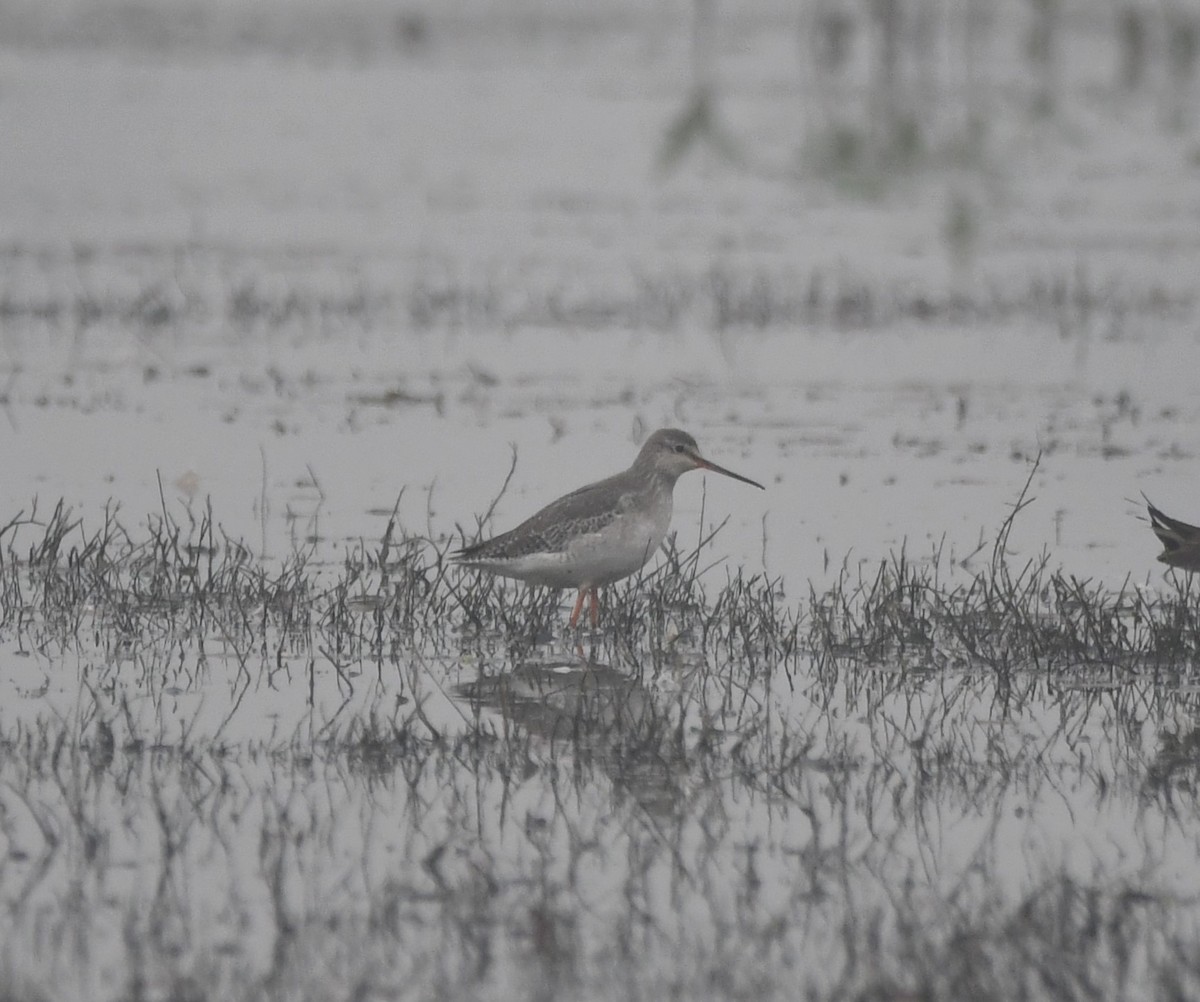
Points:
x=917, y=722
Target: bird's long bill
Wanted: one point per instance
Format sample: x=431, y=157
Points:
x=704, y=464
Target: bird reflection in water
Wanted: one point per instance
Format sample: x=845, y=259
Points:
x=607, y=719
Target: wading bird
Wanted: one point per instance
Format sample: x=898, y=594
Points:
x=602, y=532
x=1181, y=542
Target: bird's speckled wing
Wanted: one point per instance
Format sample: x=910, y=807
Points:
x=582, y=512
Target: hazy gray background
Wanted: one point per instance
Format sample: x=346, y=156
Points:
x=297, y=256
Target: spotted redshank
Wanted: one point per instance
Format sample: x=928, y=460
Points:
x=1181, y=542
x=599, y=533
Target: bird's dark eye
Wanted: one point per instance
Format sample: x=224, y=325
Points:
x=678, y=447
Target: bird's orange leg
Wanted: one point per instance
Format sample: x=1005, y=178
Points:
x=595, y=608
x=578, y=607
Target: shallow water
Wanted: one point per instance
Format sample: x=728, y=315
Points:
x=313, y=293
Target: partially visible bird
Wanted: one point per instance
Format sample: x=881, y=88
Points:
x=1181, y=542
x=602, y=532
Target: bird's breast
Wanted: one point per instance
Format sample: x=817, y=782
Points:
x=622, y=547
